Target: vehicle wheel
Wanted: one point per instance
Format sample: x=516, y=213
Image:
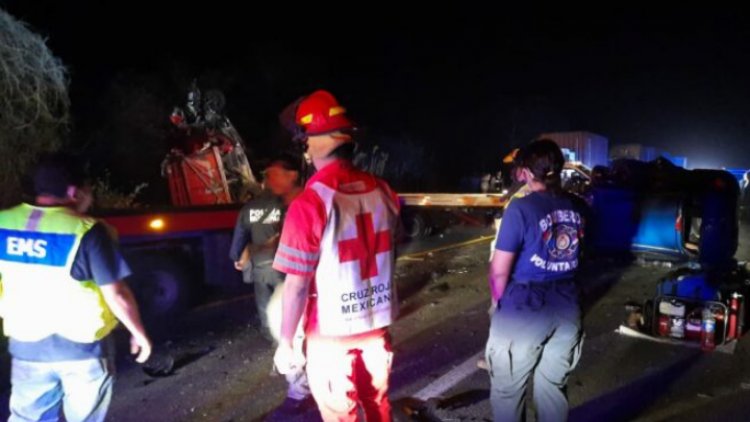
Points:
x=161, y=285
x=416, y=226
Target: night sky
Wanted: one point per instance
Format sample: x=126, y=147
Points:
x=467, y=85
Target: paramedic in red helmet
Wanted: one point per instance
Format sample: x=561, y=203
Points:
x=337, y=250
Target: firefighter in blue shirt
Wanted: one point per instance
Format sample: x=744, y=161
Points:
x=536, y=327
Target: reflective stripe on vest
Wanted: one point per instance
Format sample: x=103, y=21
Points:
x=354, y=282
x=39, y=297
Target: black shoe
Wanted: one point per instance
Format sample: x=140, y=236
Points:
x=295, y=410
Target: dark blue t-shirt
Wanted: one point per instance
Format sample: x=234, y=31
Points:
x=98, y=258
x=545, y=233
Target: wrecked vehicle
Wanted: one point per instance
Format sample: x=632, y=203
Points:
x=664, y=212
x=206, y=163
x=689, y=217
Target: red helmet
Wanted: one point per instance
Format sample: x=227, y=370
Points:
x=177, y=117
x=320, y=113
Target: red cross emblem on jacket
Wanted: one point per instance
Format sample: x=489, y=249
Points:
x=365, y=246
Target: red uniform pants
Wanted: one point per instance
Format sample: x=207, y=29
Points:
x=347, y=372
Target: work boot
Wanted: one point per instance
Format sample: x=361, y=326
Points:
x=295, y=410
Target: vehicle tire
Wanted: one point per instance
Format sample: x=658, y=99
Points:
x=161, y=286
x=416, y=225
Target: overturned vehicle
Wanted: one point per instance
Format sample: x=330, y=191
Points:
x=686, y=217
x=664, y=212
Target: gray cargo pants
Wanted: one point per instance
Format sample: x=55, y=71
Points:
x=536, y=329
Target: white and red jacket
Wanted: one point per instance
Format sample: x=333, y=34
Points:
x=340, y=232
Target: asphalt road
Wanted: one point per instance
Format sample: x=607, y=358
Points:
x=223, y=365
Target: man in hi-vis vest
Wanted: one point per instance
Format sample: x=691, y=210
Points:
x=337, y=250
x=61, y=297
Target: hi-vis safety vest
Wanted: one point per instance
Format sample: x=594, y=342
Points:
x=39, y=296
x=355, y=291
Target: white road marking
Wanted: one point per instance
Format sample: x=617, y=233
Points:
x=450, y=379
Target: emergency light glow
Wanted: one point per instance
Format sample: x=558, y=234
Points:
x=156, y=224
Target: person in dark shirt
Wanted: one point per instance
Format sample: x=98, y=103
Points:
x=536, y=326
x=62, y=294
x=256, y=233
x=254, y=244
